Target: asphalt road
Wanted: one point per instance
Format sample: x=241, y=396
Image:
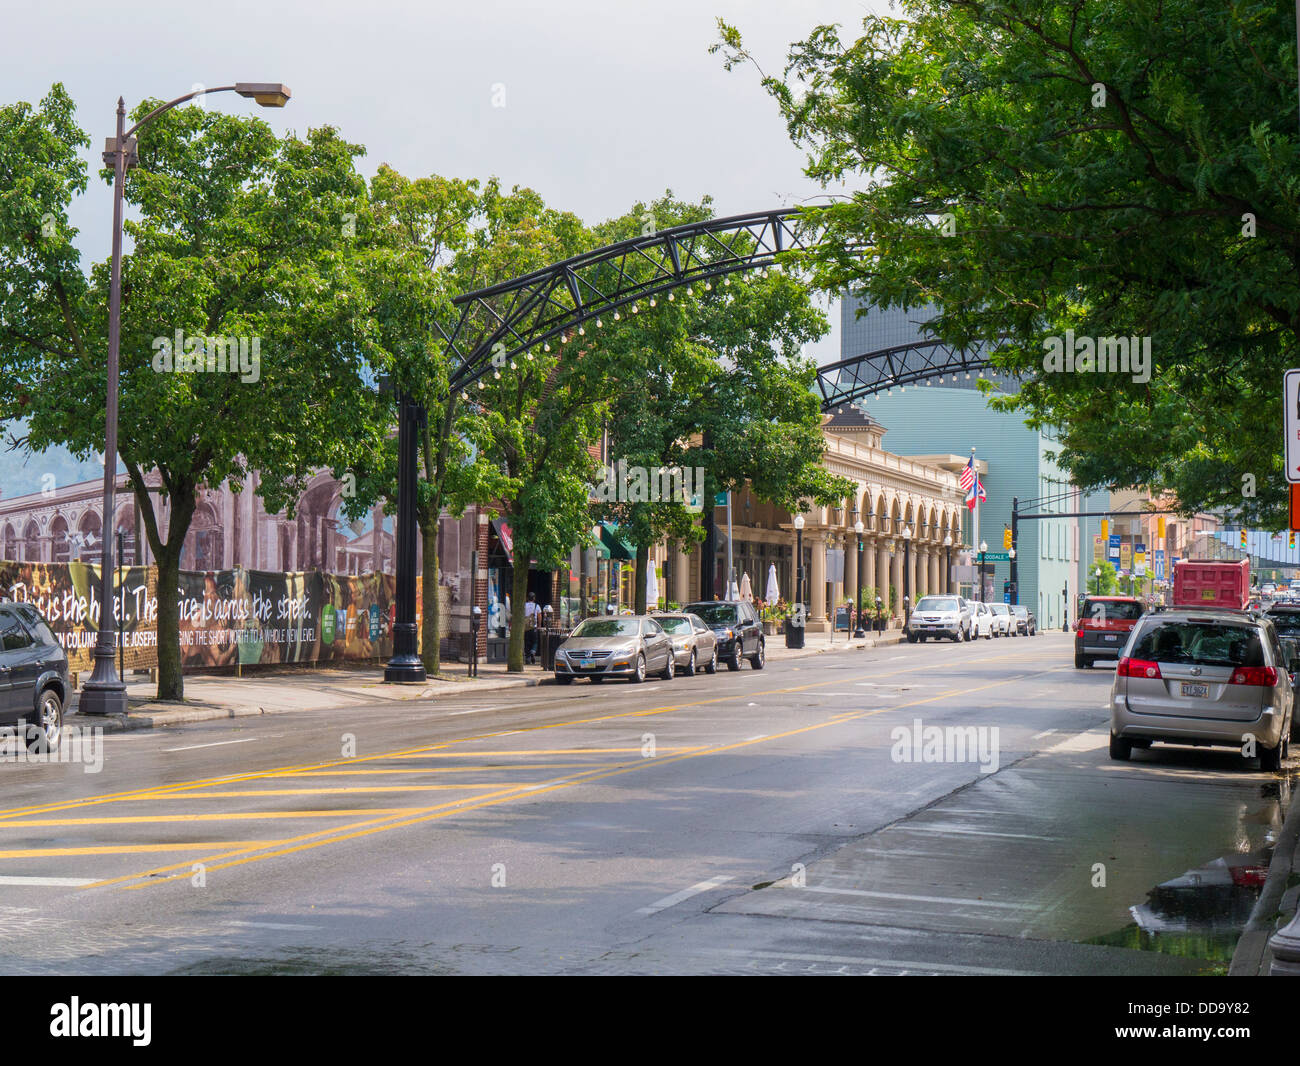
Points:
x=757, y=822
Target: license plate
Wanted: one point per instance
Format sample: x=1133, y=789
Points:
x=1112, y=636
x=1190, y=689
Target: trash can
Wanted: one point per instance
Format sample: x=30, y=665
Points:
x=548, y=641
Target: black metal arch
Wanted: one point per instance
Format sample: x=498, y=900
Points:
x=850, y=380
x=531, y=310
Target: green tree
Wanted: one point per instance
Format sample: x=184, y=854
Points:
x=1115, y=169
x=240, y=235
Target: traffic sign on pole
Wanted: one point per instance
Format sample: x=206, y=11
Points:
x=1291, y=420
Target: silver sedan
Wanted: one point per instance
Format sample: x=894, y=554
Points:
x=695, y=647
x=628, y=646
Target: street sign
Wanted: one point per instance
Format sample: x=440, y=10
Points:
x=1295, y=508
x=1160, y=564
x=1291, y=420
x=996, y=557
x=1112, y=547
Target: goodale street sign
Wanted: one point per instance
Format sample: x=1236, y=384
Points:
x=1291, y=421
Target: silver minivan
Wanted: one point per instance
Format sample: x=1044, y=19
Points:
x=1203, y=676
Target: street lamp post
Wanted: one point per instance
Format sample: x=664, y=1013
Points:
x=1097, y=576
x=858, y=527
x=984, y=547
x=104, y=692
x=794, y=625
x=907, y=573
x=1014, y=589
x=947, y=562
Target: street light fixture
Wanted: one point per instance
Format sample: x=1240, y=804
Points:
x=984, y=547
x=907, y=572
x=104, y=692
x=858, y=528
x=947, y=562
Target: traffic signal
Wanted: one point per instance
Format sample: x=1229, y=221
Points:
x=1105, y=528
x=1006, y=537
x=1243, y=538
x=1292, y=543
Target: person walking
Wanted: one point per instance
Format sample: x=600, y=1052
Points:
x=532, y=615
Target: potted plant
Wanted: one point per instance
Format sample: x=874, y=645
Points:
x=773, y=615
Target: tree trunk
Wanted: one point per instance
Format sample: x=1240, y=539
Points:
x=430, y=603
x=518, y=597
x=171, y=678
x=639, y=604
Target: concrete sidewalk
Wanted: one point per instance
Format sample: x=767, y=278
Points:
x=209, y=697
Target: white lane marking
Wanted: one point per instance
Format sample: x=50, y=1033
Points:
x=49, y=882
x=977, y=832
x=547, y=784
x=1081, y=742
x=1044, y=733
x=918, y=899
x=472, y=710
x=894, y=658
x=272, y=925
x=684, y=894
x=945, y=967
x=216, y=744
x=761, y=736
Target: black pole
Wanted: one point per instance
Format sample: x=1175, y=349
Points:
x=981, y=577
x=1015, y=532
x=121, y=644
x=103, y=692
x=406, y=665
x=857, y=603
x=795, y=623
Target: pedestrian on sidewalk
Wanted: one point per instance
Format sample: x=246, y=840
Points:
x=531, y=615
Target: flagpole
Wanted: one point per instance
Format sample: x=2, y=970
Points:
x=975, y=522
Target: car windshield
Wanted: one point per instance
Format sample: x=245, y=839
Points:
x=1001, y=608
x=937, y=603
x=1200, y=643
x=607, y=627
x=1112, y=610
x=674, y=625
x=715, y=614
x=1021, y=612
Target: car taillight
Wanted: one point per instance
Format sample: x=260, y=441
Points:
x=1138, y=668
x=1249, y=876
x=1255, y=675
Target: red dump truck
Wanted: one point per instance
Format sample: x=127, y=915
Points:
x=1212, y=583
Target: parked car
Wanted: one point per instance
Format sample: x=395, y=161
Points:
x=695, y=647
x=1285, y=617
x=1026, y=620
x=1103, y=628
x=737, y=626
x=630, y=646
x=1003, y=620
x=1203, y=677
x=939, y=616
x=1291, y=655
x=981, y=621
x=34, y=685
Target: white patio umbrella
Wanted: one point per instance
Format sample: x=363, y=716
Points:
x=746, y=588
x=773, y=589
x=651, y=586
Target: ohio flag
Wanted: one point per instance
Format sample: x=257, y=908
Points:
x=972, y=485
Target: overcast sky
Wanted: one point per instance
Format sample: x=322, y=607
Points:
x=606, y=103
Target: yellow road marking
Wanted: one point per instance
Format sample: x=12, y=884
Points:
x=206, y=817
x=343, y=833
x=336, y=791
x=124, y=849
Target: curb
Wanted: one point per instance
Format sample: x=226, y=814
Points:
x=1251, y=957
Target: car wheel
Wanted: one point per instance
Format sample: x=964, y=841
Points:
x=670, y=667
x=757, y=661
x=1080, y=663
x=911, y=638
x=1120, y=748
x=921, y=638
x=691, y=668
x=1270, y=759
x=711, y=667
x=564, y=679
x=45, y=735
x=639, y=676
x=737, y=652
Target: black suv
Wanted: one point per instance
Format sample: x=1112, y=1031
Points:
x=33, y=676
x=737, y=626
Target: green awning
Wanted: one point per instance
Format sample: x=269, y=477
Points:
x=618, y=547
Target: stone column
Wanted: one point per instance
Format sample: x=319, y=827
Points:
x=681, y=592
x=896, y=578
x=817, y=581
x=883, y=559
x=868, y=561
x=851, y=567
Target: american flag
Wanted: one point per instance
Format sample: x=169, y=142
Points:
x=972, y=485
